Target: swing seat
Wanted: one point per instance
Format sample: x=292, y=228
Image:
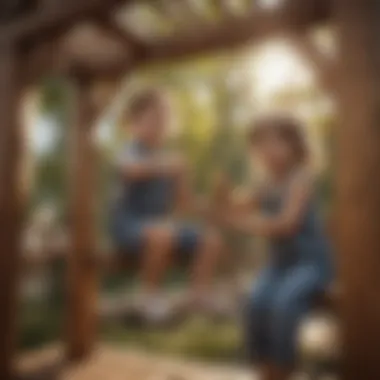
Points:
x=318, y=338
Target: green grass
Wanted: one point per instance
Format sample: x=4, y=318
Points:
x=42, y=322
x=198, y=338
x=39, y=324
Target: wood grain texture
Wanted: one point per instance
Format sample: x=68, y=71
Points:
x=10, y=202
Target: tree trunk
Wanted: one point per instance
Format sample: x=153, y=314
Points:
x=358, y=187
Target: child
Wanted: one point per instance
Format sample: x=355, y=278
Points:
x=299, y=267
x=152, y=183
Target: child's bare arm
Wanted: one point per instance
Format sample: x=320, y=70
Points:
x=184, y=194
x=187, y=202
x=243, y=202
x=230, y=200
x=149, y=167
x=201, y=206
x=285, y=223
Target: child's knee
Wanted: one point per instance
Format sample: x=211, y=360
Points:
x=293, y=300
x=258, y=306
x=160, y=237
x=287, y=309
x=256, y=314
x=262, y=296
x=213, y=241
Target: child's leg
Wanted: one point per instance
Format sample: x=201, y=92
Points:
x=293, y=299
x=158, y=243
x=264, y=371
x=206, y=261
x=257, y=315
x=205, y=248
x=271, y=372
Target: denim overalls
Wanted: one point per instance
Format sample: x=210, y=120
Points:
x=299, y=268
x=139, y=203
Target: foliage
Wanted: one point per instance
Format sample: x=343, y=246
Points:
x=51, y=171
x=208, y=99
x=197, y=338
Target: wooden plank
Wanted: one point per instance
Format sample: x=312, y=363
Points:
x=10, y=203
x=90, y=100
x=181, y=14
x=82, y=281
x=358, y=184
x=44, y=59
x=128, y=38
x=236, y=31
x=53, y=19
x=325, y=67
x=232, y=33
x=207, y=39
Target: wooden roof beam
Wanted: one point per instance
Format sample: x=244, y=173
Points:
x=232, y=32
x=294, y=16
x=225, y=8
x=326, y=67
x=10, y=9
x=52, y=19
x=124, y=35
x=179, y=12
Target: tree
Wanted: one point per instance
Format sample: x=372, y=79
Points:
x=51, y=168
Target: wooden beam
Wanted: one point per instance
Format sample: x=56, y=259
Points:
x=87, y=49
x=236, y=31
x=82, y=284
x=53, y=19
x=10, y=9
x=326, y=68
x=91, y=99
x=44, y=59
x=181, y=13
x=232, y=32
x=225, y=7
x=10, y=202
x=128, y=38
x=358, y=183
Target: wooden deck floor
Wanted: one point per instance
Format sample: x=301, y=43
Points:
x=109, y=363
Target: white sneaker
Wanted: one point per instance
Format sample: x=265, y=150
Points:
x=155, y=309
x=213, y=304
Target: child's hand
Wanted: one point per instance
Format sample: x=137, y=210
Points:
x=216, y=215
x=175, y=165
x=221, y=188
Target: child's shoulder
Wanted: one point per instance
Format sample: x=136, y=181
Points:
x=303, y=175
x=303, y=181
x=126, y=151
x=136, y=147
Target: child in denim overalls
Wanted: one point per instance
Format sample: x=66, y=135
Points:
x=152, y=182
x=299, y=267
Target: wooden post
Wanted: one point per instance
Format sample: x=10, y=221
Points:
x=81, y=272
x=358, y=187
x=10, y=202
